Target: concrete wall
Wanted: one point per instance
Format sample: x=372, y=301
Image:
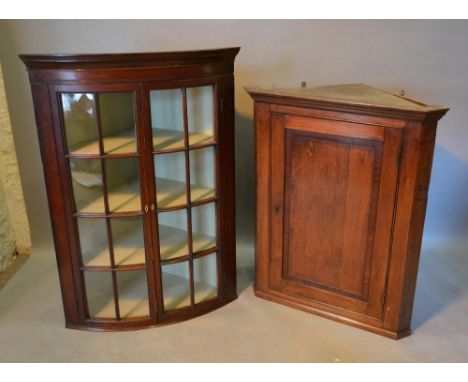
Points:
x=425, y=58
x=14, y=226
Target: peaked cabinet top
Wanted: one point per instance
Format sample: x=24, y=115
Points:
x=352, y=96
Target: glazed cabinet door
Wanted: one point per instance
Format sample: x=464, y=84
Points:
x=184, y=143
x=100, y=146
x=333, y=192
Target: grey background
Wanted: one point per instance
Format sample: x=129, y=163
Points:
x=427, y=59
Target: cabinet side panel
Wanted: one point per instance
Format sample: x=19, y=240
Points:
x=262, y=159
x=53, y=182
x=226, y=173
x=411, y=211
x=409, y=222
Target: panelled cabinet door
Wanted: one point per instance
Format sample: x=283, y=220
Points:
x=333, y=187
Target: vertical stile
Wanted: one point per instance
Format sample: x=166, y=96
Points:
x=216, y=105
x=154, y=218
x=189, y=196
x=106, y=208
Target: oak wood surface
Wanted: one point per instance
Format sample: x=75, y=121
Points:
x=341, y=194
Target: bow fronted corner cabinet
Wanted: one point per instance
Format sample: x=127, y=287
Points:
x=342, y=181
x=138, y=157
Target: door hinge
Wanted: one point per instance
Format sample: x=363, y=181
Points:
x=222, y=103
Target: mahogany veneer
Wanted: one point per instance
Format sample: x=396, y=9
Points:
x=138, y=157
x=342, y=180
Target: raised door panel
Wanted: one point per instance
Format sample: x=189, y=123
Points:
x=328, y=210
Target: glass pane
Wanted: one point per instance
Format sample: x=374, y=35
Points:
x=133, y=293
x=202, y=174
x=176, y=285
x=87, y=185
x=123, y=184
x=167, y=119
x=170, y=180
x=205, y=277
x=173, y=237
x=80, y=122
x=203, y=227
x=93, y=242
x=117, y=122
x=99, y=294
x=128, y=240
x=200, y=114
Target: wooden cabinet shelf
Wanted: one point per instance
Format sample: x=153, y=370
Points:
x=143, y=216
x=122, y=143
x=124, y=198
x=178, y=242
x=177, y=296
x=171, y=193
x=165, y=140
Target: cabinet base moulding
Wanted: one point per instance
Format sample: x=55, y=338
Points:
x=292, y=303
x=135, y=324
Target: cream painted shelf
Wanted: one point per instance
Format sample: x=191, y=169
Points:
x=133, y=301
x=164, y=139
x=125, y=142
x=176, y=291
x=133, y=297
x=128, y=250
x=125, y=198
x=121, y=143
x=171, y=193
x=173, y=242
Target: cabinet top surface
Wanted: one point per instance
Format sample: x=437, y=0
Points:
x=350, y=94
x=154, y=59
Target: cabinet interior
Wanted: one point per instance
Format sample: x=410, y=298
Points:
x=104, y=155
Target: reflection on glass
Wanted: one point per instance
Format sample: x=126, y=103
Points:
x=93, y=242
x=80, y=122
x=123, y=185
x=204, y=227
x=173, y=237
x=200, y=114
x=87, y=185
x=167, y=119
x=205, y=278
x=99, y=294
x=133, y=293
x=128, y=240
x=176, y=285
x=170, y=179
x=117, y=122
x=202, y=173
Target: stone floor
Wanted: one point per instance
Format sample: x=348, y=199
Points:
x=247, y=330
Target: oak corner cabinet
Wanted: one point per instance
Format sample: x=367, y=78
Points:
x=138, y=158
x=342, y=182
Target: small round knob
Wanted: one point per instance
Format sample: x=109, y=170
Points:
x=303, y=84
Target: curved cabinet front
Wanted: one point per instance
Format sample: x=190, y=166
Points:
x=140, y=185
